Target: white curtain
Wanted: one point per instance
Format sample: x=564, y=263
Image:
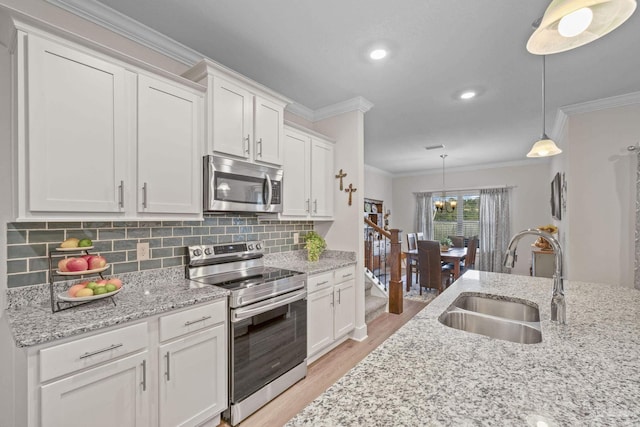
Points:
x=495, y=228
x=424, y=214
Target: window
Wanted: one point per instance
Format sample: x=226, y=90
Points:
x=463, y=221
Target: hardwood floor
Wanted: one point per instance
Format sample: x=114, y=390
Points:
x=328, y=369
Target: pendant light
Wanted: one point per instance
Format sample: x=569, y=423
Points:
x=444, y=205
x=568, y=24
x=545, y=147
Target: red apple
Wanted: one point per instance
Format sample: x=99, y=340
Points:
x=116, y=282
x=101, y=282
x=62, y=264
x=76, y=264
x=86, y=257
x=97, y=262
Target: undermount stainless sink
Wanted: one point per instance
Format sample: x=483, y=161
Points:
x=511, y=320
x=513, y=310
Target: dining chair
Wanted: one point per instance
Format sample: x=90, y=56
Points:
x=470, y=260
x=432, y=274
x=458, y=241
x=412, y=263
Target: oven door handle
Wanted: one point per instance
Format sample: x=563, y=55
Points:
x=240, y=314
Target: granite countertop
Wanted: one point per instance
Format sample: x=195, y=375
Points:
x=143, y=294
x=583, y=373
x=297, y=261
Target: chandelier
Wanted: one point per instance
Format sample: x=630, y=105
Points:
x=444, y=205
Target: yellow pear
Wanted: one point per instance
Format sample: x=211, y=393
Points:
x=71, y=242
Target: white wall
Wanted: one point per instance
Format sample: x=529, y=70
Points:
x=601, y=189
x=378, y=185
x=529, y=203
x=6, y=347
x=345, y=233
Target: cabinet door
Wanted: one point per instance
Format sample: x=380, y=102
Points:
x=345, y=307
x=296, y=167
x=319, y=320
x=321, y=178
x=193, y=383
x=76, y=135
x=269, y=126
x=232, y=119
x=169, y=148
x=114, y=394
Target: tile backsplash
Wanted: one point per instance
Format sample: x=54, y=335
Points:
x=29, y=243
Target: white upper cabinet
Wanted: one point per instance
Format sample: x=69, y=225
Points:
x=76, y=128
x=308, y=176
x=245, y=120
x=232, y=117
x=169, y=154
x=97, y=138
x=269, y=126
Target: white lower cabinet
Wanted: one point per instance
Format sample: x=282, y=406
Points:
x=168, y=371
x=192, y=378
x=113, y=394
x=330, y=310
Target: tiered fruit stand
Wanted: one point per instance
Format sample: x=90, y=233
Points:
x=60, y=302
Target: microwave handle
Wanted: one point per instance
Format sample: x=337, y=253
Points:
x=268, y=194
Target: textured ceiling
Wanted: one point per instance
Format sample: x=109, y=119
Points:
x=314, y=53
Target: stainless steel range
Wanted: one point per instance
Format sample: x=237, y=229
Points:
x=268, y=322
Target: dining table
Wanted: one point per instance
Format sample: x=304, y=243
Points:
x=451, y=256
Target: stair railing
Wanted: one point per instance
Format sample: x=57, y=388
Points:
x=383, y=257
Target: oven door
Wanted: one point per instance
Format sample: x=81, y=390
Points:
x=235, y=186
x=268, y=339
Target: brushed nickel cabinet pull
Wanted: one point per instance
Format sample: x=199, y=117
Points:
x=191, y=322
x=145, y=191
x=315, y=206
x=322, y=283
x=144, y=375
x=93, y=353
x=260, y=146
x=121, y=194
x=308, y=205
x=246, y=150
x=167, y=371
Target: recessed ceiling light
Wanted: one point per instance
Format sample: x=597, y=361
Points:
x=378, y=54
x=468, y=94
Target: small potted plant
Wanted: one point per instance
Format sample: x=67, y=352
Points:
x=445, y=244
x=314, y=245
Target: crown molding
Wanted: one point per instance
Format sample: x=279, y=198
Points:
x=301, y=111
x=516, y=163
x=106, y=17
x=563, y=113
x=354, y=104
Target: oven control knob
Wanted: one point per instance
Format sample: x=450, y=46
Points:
x=207, y=251
x=258, y=246
x=250, y=247
x=197, y=252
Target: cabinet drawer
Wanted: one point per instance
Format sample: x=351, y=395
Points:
x=320, y=281
x=194, y=319
x=94, y=350
x=344, y=274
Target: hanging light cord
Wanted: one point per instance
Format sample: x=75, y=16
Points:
x=443, y=187
x=544, y=131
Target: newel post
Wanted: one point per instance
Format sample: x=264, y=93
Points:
x=395, y=285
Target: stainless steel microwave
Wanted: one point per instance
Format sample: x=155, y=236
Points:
x=236, y=186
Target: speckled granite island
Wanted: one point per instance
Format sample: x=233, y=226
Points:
x=144, y=294
x=585, y=373
x=297, y=261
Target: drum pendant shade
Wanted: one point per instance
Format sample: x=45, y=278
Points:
x=606, y=16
